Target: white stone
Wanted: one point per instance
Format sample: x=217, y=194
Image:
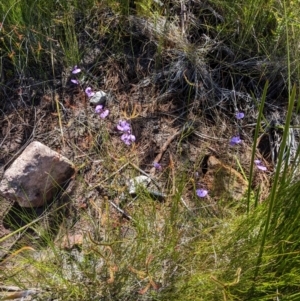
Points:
x=98, y=98
x=136, y=182
x=36, y=176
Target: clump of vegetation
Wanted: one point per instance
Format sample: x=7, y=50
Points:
x=182, y=78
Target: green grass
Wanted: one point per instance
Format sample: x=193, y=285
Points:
x=164, y=250
x=36, y=34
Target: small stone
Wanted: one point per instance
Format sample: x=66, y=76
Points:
x=136, y=182
x=36, y=176
x=99, y=98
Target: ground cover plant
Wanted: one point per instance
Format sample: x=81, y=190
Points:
x=202, y=99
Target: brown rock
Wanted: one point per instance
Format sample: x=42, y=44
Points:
x=36, y=176
x=224, y=181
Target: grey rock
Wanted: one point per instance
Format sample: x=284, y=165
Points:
x=36, y=176
x=98, y=99
x=136, y=182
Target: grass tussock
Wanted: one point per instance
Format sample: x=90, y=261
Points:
x=163, y=253
x=184, y=68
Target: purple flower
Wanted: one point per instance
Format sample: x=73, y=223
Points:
x=98, y=109
x=75, y=81
x=101, y=111
x=156, y=165
x=201, y=193
x=239, y=115
x=124, y=126
x=235, y=140
x=76, y=70
x=128, y=138
x=89, y=92
x=259, y=165
x=104, y=114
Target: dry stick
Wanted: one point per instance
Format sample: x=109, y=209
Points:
x=159, y=156
x=145, y=174
x=163, y=149
x=183, y=18
x=17, y=295
x=120, y=210
x=185, y=204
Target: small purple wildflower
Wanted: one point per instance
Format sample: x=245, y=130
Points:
x=239, y=115
x=124, y=126
x=156, y=165
x=201, y=193
x=104, y=114
x=259, y=165
x=89, y=92
x=101, y=111
x=98, y=109
x=76, y=70
x=128, y=138
x=75, y=81
x=235, y=140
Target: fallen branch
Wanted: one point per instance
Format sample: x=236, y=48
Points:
x=163, y=149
